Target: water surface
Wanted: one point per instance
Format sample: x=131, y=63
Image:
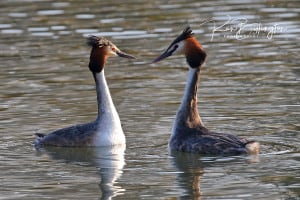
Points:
x=249, y=87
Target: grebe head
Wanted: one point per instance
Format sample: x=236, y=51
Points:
x=101, y=50
x=187, y=45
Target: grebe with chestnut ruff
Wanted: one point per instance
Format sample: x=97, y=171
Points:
x=189, y=133
x=106, y=130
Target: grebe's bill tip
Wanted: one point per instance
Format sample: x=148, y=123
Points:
x=162, y=56
x=125, y=55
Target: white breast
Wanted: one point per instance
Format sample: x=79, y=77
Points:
x=109, y=131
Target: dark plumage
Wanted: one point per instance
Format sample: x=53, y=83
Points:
x=201, y=140
x=78, y=135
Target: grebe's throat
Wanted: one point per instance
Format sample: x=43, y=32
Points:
x=188, y=110
x=105, y=103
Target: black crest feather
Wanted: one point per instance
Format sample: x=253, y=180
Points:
x=186, y=33
x=99, y=42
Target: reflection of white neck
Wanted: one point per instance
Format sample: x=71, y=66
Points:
x=111, y=160
x=109, y=125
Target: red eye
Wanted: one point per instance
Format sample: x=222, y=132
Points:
x=113, y=49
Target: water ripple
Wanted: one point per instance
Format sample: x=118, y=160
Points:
x=50, y=12
x=248, y=87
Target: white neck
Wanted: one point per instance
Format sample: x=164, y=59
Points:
x=190, y=85
x=108, y=121
x=105, y=103
x=187, y=114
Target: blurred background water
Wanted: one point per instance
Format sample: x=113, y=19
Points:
x=249, y=87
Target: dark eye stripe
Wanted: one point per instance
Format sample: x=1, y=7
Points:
x=174, y=49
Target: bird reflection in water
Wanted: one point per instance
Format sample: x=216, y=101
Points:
x=191, y=169
x=108, y=160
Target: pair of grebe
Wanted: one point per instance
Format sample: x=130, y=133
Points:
x=188, y=132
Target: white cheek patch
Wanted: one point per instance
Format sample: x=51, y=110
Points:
x=177, y=48
x=180, y=47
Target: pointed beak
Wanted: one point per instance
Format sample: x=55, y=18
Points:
x=125, y=55
x=162, y=56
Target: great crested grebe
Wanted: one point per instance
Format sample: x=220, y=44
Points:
x=189, y=133
x=106, y=130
